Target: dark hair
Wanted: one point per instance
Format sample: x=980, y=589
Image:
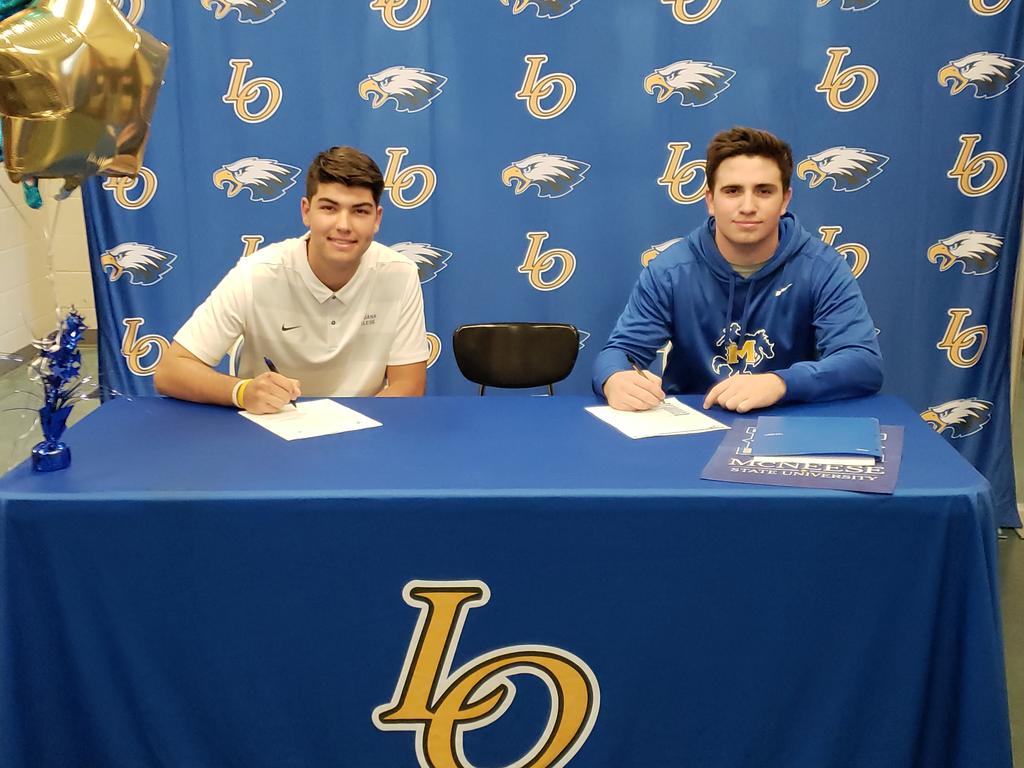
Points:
x=749, y=141
x=344, y=165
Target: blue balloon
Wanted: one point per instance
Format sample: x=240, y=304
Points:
x=31, y=191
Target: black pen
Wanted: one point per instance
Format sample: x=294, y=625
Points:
x=629, y=359
x=273, y=369
x=637, y=368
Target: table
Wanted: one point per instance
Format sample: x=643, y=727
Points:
x=194, y=591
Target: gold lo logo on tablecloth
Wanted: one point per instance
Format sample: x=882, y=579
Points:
x=439, y=706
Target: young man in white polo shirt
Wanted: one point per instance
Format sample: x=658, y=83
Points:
x=336, y=313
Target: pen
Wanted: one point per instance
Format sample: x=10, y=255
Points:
x=637, y=368
x=273, y=369
x=630, y=360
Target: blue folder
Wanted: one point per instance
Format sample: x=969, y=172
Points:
x=810, y=435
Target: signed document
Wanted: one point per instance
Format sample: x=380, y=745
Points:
x=670, y=418
x=312, y=418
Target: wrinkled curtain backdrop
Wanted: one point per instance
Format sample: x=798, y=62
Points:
x=539, y=152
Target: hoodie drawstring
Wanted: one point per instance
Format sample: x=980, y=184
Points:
x=728, y=305
x=745, y=317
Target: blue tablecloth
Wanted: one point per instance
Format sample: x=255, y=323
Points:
x=194, y=591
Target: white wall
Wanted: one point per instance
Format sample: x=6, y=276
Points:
x=39, y=276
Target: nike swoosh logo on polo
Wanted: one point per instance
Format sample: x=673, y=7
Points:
x=783, y=289
x=289, y=327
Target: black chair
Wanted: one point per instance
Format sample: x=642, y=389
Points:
x=516, y=355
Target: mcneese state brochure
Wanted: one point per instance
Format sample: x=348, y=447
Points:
x=735, y=462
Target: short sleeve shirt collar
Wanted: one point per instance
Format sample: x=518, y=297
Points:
x=320, y=291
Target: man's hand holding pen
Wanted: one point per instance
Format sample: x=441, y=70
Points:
x=267, y=393
x=270, y=392
x=633, y=390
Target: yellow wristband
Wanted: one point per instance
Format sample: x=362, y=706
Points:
x=238, y=393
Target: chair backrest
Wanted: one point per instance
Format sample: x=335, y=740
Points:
x=516, y=355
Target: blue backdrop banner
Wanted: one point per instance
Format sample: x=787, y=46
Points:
x=539, y=153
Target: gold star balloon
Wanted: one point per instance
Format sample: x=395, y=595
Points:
x=78, y=86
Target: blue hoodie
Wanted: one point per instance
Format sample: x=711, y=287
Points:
x=801, y=316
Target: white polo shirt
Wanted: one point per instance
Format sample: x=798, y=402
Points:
x=335, y=343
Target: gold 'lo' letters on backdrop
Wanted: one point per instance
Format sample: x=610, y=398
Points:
x=677, y=174
x=389, y=12
x=137, y=348
x=122, y=185
x=836, y=82
x=535, y=89
x=398, y=180
x=682, y=13
x=958, y=339
x=243, y=93
x=538, y=263
x=968, y=166
x=856, y=254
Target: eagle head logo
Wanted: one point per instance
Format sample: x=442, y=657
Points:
x=249, y=11
x=850, y=5
x=850, y=168
x=427, y=258
x=266, y=180
x=552, y=175
x=977, y=253
x=546, y=9
x=144, y=264
x=959, y=417
x=991, y=74
x=698, y=83
x=655, y=250
x=411, y=88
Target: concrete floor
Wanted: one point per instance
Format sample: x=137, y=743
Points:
x=19, y=397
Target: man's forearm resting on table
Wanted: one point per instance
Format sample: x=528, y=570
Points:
x=184, y=376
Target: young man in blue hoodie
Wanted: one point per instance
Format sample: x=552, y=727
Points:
x=758, y=310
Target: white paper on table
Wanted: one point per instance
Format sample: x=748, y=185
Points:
x=670, y=418
x=312, y=418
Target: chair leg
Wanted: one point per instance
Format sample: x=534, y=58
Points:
x=551, y=389
x=481, y=390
